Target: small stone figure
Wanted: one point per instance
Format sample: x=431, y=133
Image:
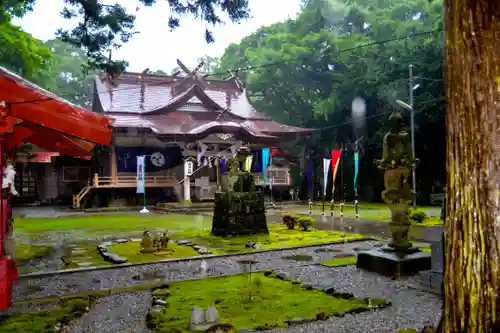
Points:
x=156, y=242
x=164, y=241
x=147, y=243
x=201, y=321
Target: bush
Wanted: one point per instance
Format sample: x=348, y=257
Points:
x=417, y=215
x=305, y=222
x=290, y=220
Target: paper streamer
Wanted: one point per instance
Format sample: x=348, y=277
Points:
x=326, y=168
x=265, y=163
x=248, y=163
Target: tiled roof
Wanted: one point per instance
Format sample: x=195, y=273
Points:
x=171, y=105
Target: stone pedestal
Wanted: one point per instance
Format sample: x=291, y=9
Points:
x=389, y=264
x=239, y=213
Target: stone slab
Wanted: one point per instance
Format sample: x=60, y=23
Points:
x=388, y=264
x=437, y=257
x=432, y=281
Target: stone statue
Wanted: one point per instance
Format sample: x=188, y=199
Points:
x=164, y=241
x=147, y=243
x=201, y=321
x=397, y=161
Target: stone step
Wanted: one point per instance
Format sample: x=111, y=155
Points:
x=432, y=280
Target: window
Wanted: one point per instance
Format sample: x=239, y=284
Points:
x=75, y=174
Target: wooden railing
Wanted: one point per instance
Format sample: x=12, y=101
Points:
x=131, y=181
x=259, y=180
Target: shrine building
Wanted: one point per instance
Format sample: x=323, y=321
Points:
x=184, y=123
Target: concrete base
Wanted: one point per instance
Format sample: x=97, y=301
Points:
x=389, y=264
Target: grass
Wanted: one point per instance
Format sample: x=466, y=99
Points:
x=259, y=302
x=340, y=261
x=44, y=321
x=27, y=252
x=106, y=224
x=131, y=251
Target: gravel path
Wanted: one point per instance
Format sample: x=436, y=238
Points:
x=115, y=313
x=410, y=308
x=105, y=279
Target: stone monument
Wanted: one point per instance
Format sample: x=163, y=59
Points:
x=239, y=207
x=147, y=243
x=201, y=321
x=164, y=241
x=399, y=257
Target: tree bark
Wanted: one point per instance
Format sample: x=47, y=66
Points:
x=472, y=272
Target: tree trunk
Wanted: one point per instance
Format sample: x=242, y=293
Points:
x=472, y=273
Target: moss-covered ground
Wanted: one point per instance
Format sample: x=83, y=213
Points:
x=247, y=301
x=340, y=261
x=131, y=251
x=27, y=252
x=45, y=321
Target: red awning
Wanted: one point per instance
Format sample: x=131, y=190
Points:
x=276, y=152
x=47, y=121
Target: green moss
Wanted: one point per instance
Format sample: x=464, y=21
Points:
x=91, y=255
x=46, y=320
x=340, y=261
x=248, y=304
x=26, y=252
x=279, y=236
x=131, y=251
x=408, y=330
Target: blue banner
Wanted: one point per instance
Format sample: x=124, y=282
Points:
x=356, y=166
x=265, y=163
x=157, y=159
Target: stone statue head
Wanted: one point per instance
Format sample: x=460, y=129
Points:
x=396, y=121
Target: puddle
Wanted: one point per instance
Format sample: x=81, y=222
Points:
x=299, y=257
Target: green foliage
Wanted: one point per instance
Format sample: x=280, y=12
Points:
x=306, y=72
x=104, y=27
x=305, y=222
x=417, y=215
x=290, y=220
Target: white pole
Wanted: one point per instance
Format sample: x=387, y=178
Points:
x=412, y=128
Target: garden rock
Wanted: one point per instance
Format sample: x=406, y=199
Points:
x=106, y=244
x=121, y=240
x=307, y=286
x=329, y=291
x=281, y=276
x=184, y=242
x=204, y=251
x=155, y=310
x=160, y=302
x=116, y=259
x=196, y=247
x=299, y=321
x=221, y=328
x=250, y=245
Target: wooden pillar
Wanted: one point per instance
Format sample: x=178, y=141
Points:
x=113, y=166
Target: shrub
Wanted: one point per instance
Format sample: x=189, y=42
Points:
x=417, y=215
x=290, y=220
x=305, y=222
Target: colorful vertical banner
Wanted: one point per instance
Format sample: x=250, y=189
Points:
x=326, y=168
x=356, y=168
x=271, y=175
x=265, y=163
x=140, y=173
x=336, y=153
x=223, y=166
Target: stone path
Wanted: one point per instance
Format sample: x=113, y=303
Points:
x=112, y=278
x=122, y=313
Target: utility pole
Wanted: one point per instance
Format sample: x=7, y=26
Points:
x=412, y=129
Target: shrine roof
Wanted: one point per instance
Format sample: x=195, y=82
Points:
x=186, y=104
x=46, y=120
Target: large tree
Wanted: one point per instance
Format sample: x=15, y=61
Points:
x=472, y=279
x=103, y=27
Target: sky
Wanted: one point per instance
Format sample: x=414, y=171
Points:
x=156, y=47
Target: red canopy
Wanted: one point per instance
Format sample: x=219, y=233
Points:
x=46, y=120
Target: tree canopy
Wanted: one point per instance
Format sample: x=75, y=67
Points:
x=306, y=72
x=103, y=27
